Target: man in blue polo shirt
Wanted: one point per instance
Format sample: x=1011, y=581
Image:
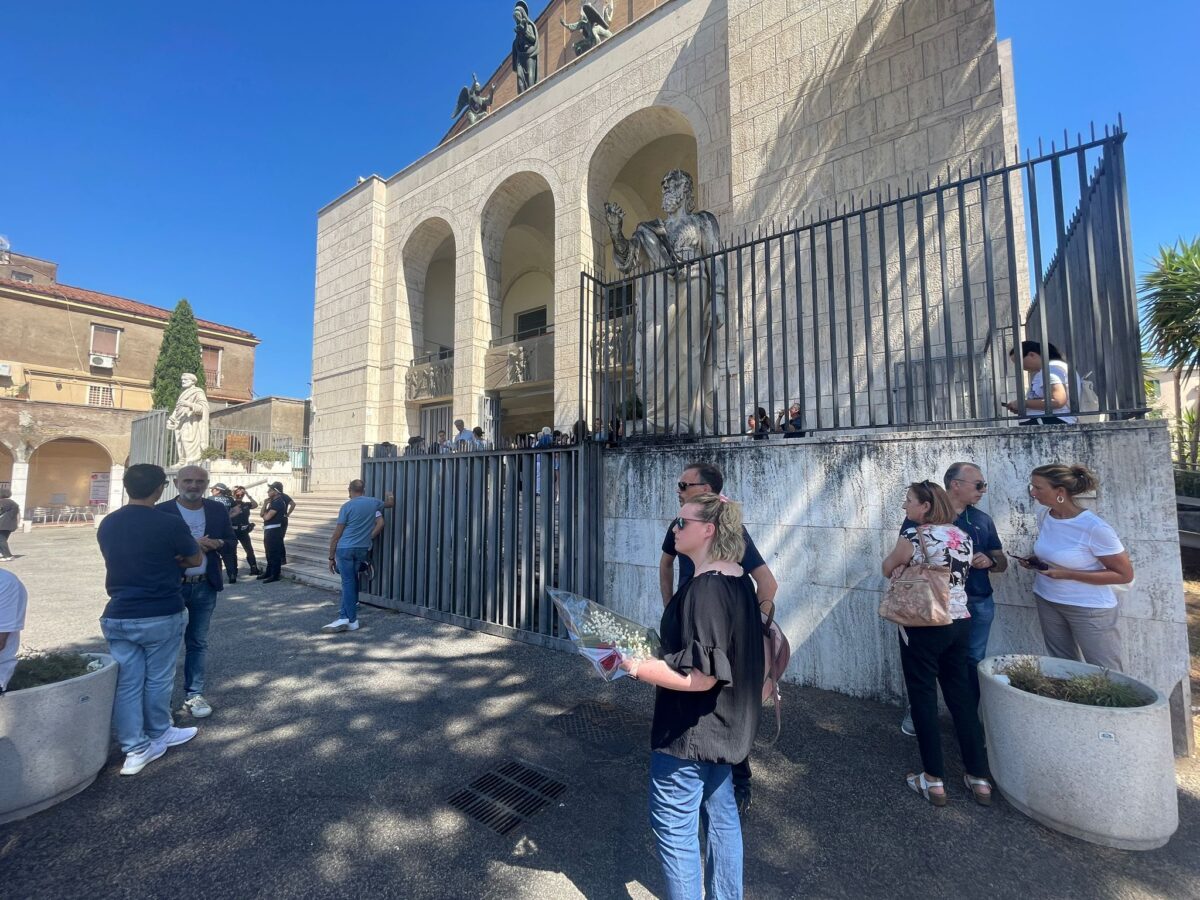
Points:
x=359, y=521
x=965, y=486
x=145, y=552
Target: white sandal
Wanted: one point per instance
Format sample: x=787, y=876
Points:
x=983, y=798
x=921, y=785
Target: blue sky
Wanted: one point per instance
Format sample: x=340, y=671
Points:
x=159, y=151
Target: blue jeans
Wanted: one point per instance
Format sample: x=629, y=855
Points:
x=348, y=560
x=200, y=600
x=983, y=611
x=146, y=651
x=678, y=788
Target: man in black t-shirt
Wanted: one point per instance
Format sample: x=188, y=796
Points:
x=705, y=478
x=274, y=514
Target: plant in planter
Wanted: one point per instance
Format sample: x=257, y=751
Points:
x=271, y=456
x=242, y=456
x=1081, y=749
x=56, y=718
x=210, y=453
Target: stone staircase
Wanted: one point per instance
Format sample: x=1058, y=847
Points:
x=309, y=530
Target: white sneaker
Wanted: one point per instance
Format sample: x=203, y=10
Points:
x=173, y=736
x=339, y=625
x=135, y=762
x=353, y=626
x=196, y=706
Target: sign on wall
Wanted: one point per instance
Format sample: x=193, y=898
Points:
x=100, y=488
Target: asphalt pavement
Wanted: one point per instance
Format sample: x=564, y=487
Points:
x=335, y=766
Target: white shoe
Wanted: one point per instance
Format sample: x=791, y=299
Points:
x=338, y=625
x=135, y=762
x=196, y=706
x=173, y=736
x=353, y=626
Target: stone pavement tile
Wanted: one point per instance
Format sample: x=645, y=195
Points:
x=325, y=769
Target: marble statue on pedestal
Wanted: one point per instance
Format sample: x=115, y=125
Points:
x=677, y=306
x=189, y=421
x=525, y=48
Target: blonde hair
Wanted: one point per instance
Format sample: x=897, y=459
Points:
x=1074, y=479
x=728, y=543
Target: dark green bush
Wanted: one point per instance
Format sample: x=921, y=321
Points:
x=37, y=668
x=1091, y=690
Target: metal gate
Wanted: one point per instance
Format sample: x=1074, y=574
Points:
x=476, y=538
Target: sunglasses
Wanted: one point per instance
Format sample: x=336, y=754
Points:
x=978, y=485
x=684, y=485
x=679, y=522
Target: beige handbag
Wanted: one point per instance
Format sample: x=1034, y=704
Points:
x=920, y=595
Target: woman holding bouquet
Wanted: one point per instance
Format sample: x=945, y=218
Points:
x=709, y=691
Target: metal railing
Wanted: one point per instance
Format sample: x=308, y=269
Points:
x=475, y=539
x=898, y=313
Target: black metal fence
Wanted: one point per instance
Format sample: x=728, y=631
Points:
x=478, y=537
x=898, y=313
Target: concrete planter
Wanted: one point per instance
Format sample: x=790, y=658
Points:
x=1096, y=773
x=54, y=739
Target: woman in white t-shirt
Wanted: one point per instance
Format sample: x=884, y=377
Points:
x=1058, y=411
x=1084, y=558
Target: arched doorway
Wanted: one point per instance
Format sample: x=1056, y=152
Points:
x=518, y=248
x=429, y=273
x=68, y=472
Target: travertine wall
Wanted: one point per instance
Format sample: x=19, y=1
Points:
x=791, y=105
x=825, y=512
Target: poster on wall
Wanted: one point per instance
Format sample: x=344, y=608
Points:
x=100, y=485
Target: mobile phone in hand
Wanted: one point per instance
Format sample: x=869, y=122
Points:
x=1030, y=560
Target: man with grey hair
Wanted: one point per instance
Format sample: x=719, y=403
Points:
x=965, y=486
x=208, y=521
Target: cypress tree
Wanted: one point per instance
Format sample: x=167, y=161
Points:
x=178, y=354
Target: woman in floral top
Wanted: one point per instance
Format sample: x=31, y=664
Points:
x=937, y=654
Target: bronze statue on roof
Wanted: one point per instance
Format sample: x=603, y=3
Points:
x=525, y=48
x=595, y=26
x=471, y=100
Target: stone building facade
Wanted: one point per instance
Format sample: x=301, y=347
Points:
x=452, y=288
x=75, y=370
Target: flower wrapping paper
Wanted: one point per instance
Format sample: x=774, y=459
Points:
x=602, y=637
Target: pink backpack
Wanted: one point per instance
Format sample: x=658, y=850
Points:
x=776, y=652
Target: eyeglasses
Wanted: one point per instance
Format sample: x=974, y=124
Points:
x=684, y=485
x=679, y=522
x=978, y=485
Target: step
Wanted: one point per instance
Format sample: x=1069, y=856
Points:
x=311, y=574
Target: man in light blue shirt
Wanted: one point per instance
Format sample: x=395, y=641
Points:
x=359, y=520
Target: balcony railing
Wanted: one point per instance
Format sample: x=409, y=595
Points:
x=512, y=361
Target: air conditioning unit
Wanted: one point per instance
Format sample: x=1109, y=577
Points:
x=102, y=362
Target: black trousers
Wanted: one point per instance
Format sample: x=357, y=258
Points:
x=273, y=541
x=244, y=539
x=933, y=656
x=741, y=773
x=4, y=551
x=282, y=536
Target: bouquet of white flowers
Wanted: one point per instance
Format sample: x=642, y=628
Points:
x=601, y=636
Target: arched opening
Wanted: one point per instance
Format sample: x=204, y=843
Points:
x=6, y=466
x=518, y=249
x=628, y=166
x=68, y=473
x=429, y=282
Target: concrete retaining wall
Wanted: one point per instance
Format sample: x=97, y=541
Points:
x=824, y=512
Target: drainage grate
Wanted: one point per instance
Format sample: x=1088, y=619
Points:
x=612, y=727
x=506, y=796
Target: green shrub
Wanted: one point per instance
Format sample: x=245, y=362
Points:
x=1096, y=689
x=241, y=456
x=37, y=668
x=210, y=453
x=271, y=456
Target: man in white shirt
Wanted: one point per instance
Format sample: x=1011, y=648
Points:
x=13, y=600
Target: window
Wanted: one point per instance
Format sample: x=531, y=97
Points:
x=106, y=340
x=620, y=301
x=25, y=277
x=100, y=395
x=212, y=365
x=530, y=323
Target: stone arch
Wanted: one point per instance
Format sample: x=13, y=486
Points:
x=61, y=469
x=628, y=158
x=431, y=243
